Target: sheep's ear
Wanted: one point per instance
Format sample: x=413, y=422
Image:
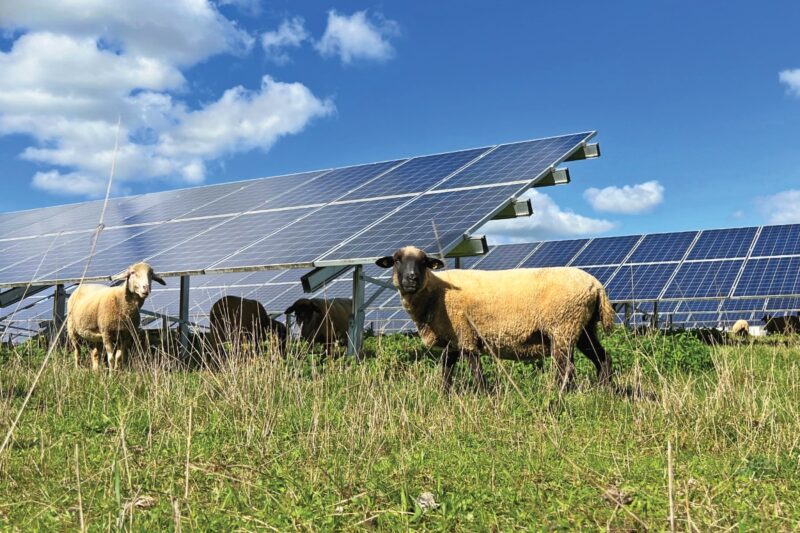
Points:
x=291, y=309
x=159, y=279
x=433, y=263
x=122, y=275
x=385, y=262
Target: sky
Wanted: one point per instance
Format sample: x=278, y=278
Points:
x=696, y=104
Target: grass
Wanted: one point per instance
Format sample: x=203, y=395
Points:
x=316, y=444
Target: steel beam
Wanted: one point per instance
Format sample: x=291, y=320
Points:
x=557, y=176
x=16, y=294
x=183, y=324
x=516, y=209
x=470, y=246
x=587, y=151
x=320, y=276
x=59, y=314
x=355, y=336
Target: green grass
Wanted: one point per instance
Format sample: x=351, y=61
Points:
x=316, y=444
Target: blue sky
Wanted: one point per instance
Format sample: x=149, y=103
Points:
x=696, y=122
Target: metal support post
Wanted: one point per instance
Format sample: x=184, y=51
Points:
x=457, y=262
x=654, y=323
x=627, y=315
x=183, y=323
x=59, y=314
x=355, y=335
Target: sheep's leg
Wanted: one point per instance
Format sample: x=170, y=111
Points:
x=95, y=356
x=477, y=370
x=450, y=360
x=108, y=344
x=565, y=369
x=589, y=344
x=120, y=355
x=76, y=349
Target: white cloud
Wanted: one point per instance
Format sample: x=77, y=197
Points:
x=65, y=87
x=781, y=208
x=628, y=200
x=180, y=31
x=290, y=34
x=548, y=222
x=357, y=37
x=791, y=77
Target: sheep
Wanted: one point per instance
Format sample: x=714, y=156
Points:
x=786, y=325
x=519, y=314
x=233, y=317
x=740, y=328
x=322, y=320
x=108, y=317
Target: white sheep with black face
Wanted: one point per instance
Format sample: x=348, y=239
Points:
x=519, y=314
x=108, y=317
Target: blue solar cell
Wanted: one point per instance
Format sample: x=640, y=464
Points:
x=418, y=175
x=700, y=306
x=212, y=246
x=662, y=247
x=744, y=304
x=260, y=194
x=606, y=251
x=473, y=262
x=450, y=213
x=770, y=277
x=639, y=282
x=333, y=185
x=507, y=256
x=778, y=240
x=603, y=274
x=35, y=250
x=523, y=161
x=309, y=238
x=705, y=279
x=783, y=304
x=723, y=243
x=181, y=203
x=554, y=253
x=38, y=221
x=122, y=253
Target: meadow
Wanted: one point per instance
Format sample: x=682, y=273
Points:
x=693, y=438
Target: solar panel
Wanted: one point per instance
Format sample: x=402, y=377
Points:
x=706, y=279
x=523, y=161
x=783, y=304
x=770, y=277
x=603, y=274
x=554, y=253
x=662, y=247
x=640, y=282
x=744, y=304
x=418, y=175
x=606, y=251
x=430, y=221
x=778, y=240
x=507, y=256
x=723, y=243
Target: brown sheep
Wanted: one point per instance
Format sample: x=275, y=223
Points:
x=321, y=320
x=108, y=317
x=520, y=314
x=238, y=318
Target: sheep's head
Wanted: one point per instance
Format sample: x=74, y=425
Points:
x=139, y=278
x=411, y=267
x=308, y=314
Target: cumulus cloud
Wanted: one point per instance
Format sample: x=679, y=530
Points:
x=781, y=208
x=358, y=37
x=290, y=34
x=74, y=71
x=628, y=200
x=549, y=221
x=791, y=77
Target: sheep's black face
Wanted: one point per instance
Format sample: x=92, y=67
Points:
x=305, y=313
x=410, y=268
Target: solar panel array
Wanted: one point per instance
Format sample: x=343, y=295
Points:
x=323, y=217
x=705, y=278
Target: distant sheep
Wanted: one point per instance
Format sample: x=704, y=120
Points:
x=519, y=314
x=786, y=325
x=710, y=336
x=322, y=320
x=108, y=317
x=740, y=328
x=234, y=317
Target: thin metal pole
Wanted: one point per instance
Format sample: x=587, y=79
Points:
x=59, y=313
x=355, y=335
x=183, y=324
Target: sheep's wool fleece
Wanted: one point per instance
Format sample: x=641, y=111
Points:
x=511, y=309
x=740, y=327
